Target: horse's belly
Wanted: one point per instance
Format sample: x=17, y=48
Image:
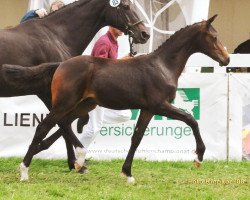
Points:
x=119, y=100
x=9, y=90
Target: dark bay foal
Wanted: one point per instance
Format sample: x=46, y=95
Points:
x=147, y=83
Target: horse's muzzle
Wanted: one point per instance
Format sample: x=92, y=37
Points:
x=141, y=38
x=225, y=62
x=145, y=36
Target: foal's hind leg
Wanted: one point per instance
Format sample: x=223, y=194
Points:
x=82, y=109
x=80, y=150
x=41, y=131
x=170, y=111
x=44, y=127
x=45, y=144
x=140, y=128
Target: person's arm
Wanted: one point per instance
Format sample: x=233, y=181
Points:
x=101, y=50
x=29, y=15
x=33, y=14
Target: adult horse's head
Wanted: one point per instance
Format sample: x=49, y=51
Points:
x=121, y=15
x=210, y=45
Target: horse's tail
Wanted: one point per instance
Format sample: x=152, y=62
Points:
x=36, y=77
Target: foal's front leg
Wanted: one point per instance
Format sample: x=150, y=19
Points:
x=140, y=128
x=168, y=110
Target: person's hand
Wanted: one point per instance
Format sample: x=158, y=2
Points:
x=41, y=12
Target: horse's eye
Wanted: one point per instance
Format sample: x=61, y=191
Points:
x=215, y=38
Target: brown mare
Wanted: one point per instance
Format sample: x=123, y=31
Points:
x=147, y=83
x=61, y=35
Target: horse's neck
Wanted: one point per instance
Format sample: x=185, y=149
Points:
x=78, y=23
x=175, y=52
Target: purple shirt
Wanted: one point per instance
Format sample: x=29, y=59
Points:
x=106, y=47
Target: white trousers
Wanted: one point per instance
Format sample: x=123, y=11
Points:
x=97, y=118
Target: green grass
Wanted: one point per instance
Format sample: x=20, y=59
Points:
x=50, y=179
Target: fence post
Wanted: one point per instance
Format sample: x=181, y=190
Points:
x=228, y=113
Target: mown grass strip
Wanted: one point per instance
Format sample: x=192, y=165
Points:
x=51, y=179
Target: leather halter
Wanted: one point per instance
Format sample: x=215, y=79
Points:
x=128, y=29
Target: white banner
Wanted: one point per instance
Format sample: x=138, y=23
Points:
x=202, y=95
x=239, y=121
x=18, y=118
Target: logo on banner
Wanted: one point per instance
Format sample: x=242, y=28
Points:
x=187, y=99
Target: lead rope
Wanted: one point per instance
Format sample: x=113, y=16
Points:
x=131, y=46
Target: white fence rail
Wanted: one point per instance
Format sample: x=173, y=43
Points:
x=198, y=60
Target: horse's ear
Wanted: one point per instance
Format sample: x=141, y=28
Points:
x=209, y=21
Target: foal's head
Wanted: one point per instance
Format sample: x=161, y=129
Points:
x=209, y=44
x=120, y=15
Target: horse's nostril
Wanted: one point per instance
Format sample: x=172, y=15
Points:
x=145, y=35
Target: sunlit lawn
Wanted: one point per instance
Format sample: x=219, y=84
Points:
x=51, y=179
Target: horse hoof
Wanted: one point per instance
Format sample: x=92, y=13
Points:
x=83, y=170
x=197, y=163
x=77, y=167
x=24, y=179
x=24, y=172
x=131, y=180
x=80, y=169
